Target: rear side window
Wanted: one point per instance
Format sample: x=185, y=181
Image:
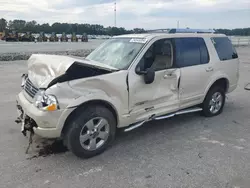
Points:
x=203, y=51
x=190, y=52
x=224, y=48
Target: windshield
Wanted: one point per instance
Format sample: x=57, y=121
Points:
x=117, y=52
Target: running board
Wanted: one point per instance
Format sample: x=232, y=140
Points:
x=185, y=111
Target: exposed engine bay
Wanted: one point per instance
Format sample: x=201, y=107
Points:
x=78, y=70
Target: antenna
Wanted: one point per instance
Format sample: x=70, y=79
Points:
x=115, y=12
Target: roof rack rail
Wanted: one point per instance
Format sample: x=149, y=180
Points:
x=191, y=30
x=158, y=31
x=179, y=30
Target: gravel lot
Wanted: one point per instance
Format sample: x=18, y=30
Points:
x=11, y=51
x=19, y=47
x=187, y=151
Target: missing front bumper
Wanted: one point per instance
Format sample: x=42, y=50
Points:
x=27, y=123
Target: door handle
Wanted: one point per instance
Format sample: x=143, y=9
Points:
x=167, y=75
x=209, y=69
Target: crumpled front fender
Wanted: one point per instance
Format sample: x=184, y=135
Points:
x=108, y=88
x=91, y=95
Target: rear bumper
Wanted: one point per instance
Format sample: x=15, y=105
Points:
x=48, y=124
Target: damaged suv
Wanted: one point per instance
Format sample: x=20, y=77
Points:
x=127, y=81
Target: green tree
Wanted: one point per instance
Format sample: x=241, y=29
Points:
x=31, y=27
x=46, y=28
x=138, y=30
x=3, y=24
x=10, y=25
x=91, y=29
x=18, y=25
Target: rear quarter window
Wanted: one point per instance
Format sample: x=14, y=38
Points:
x=204, y=52
x=224, y=48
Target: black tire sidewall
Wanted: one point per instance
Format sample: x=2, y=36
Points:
x=82, y=116
x=206, y=110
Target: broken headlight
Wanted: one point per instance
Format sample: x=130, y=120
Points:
x=46, y=102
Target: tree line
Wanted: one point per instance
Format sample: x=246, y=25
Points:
x=22, y=26
x=238, y=31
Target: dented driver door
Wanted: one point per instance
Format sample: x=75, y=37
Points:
x=162, y=95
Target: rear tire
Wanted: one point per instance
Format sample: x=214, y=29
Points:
x=214, y=102
x=91, y=131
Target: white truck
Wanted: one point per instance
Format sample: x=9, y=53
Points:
x=125, y=82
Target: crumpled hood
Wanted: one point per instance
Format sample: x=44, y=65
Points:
x=42, y=68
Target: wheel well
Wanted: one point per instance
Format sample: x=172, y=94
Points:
x=93, y=102
x=222, y=82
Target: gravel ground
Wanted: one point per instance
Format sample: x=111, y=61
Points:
x=10, y=51
x=20, y=47
x=185, y=151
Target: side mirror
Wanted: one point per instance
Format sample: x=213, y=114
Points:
x=247, y=87
x=149, y=76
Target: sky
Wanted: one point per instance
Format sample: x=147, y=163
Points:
x=148, y=14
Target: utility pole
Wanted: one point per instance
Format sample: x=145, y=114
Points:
x=178, y=24
x=115, y=12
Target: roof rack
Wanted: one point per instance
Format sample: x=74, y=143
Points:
x=178, y=30
x=158, y=31
x=191, y=30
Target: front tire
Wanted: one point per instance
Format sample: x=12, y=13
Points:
x=91, y=130
x=214, y=102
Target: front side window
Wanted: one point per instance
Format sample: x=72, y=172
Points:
x=224, y=48
x=158, y=56
x=117, y=52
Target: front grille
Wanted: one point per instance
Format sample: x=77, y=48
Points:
x=30, y=89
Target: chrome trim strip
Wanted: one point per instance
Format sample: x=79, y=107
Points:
x=164, y=117
x=136, y=125
x=188, y=111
